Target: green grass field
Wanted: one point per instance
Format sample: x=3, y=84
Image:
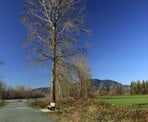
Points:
x=125, y=100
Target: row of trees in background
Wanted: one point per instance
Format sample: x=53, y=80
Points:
x=113, y=90
x=139, y=88
x=20, y=92
x=135, y=88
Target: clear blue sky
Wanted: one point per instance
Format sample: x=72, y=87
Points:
x=119, y=43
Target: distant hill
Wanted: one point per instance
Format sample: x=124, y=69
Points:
x=43, y=89
x=95, y=82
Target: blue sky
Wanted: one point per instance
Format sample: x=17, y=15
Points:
x=119, y=39
x=119, y=43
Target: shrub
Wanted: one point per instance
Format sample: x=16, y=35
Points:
x=39, y=104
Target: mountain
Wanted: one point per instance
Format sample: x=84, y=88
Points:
x=96, y=83
x=43, y=89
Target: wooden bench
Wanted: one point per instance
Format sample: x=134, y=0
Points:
x=51, y=106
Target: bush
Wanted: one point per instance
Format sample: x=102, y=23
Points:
x=39, y=104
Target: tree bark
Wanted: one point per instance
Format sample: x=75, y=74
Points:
x=53, y=73
x=53, y=81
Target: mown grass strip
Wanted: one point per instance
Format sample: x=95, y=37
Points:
x=125, y=100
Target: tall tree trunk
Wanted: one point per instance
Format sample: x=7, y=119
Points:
x=53, y=81
x=53, y=73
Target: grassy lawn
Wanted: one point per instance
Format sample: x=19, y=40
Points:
x=125, y=100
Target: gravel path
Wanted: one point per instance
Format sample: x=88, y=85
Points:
x=20, y=112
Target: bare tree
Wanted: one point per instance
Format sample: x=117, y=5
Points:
x=81, y=74
x=73, y=77
x=63, y=78
x=53, y=28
